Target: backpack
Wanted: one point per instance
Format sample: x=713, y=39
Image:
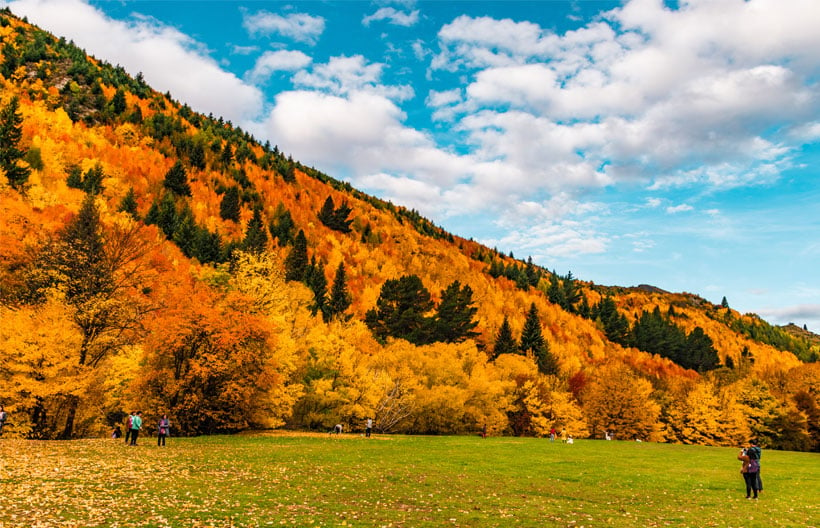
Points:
x=754, y=466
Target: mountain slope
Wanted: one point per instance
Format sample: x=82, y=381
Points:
x=89, y=130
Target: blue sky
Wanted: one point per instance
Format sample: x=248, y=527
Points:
x=675, y=144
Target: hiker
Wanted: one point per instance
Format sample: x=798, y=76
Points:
x=3, y=416
x=136, y=425
x=564, y=435
x=164, y=427
x=750, y=473
x=755, y=453
x=484, y=431
x=552, y=434
x=368, y=427
x=128, y=426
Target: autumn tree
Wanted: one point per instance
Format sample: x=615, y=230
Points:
x=99, y=271
x=616, y=400
x=11, y=132
x=532, y=341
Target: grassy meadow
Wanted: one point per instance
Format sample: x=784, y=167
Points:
x=282, y=479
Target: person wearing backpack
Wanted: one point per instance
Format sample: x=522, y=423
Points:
x=755, y=453
x=750, y=470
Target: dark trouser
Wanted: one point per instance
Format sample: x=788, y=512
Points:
x=751, y=483
x=367, y=432
x=134, y=434
x=127, y=435
x=161, y=439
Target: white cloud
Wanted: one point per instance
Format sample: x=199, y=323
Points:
x=679, y=208
x=343, y=75
x=392, y=16
x=169, y=60
x=300, y=27
x=645, y=93
x=280, y=60
x=447, y=97
x=798, y=314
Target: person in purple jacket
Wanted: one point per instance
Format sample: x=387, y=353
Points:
x=164, y=427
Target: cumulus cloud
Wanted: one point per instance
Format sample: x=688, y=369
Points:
x=343, y=75
x=169, y=60
x=672, y=97
x=392, y=16
x=280, y=60
x=300, y=27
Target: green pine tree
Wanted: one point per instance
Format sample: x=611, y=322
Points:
x=296, y=263
x=229, y=207
x=118, y=104
x=504, y=341
x=532, y=340
x=282, y=226
x=256, y=237
x=92, y=180
x=176, y=180
x=129, y=204
x=454, y=319
x=340, y=298
x=11, y=132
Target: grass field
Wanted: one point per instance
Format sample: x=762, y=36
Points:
x=315, y=480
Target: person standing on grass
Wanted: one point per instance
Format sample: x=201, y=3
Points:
x=750, y=471
x=136, y=425
x=368, y=427
x=3, y=416
x=128, y=424
x=755, y=453
x=164, y=427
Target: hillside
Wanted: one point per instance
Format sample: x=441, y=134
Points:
x=160, y=259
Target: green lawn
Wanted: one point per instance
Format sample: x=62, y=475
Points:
x=316, y=480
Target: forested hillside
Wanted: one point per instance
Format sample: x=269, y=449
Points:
x=155, y=258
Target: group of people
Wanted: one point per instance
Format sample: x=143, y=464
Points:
x=368, y=428
x=750, y=469
x=133, y=426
